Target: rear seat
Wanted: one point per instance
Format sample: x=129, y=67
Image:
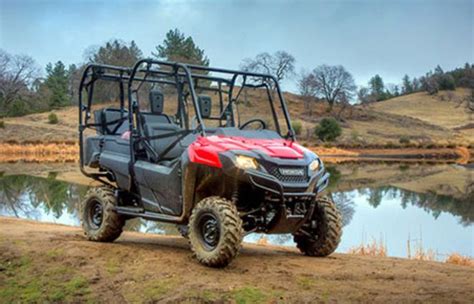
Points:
x=111, y=121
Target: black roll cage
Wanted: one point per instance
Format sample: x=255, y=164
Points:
x=182, y=76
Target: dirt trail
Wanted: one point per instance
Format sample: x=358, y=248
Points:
x=46, y=262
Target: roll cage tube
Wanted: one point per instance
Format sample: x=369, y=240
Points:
x=91, y=74
x=178, y=75
x=134, y=108
x=291, y=133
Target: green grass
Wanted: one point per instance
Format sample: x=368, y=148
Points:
x=150, y=291
x=55, y=253
x=24, y=283
x=306, y=283
x=248, y=294
x=112, y=266
x=206, y=296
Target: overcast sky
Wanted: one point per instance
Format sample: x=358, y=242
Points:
x=390, y=38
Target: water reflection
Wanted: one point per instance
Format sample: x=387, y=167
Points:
x=444, y=222
x=36, y=198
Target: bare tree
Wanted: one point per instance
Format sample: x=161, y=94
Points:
x=307, y=90
x=344, y=103
x=281, y=65
x=363, y=95
x=333, y=83
x=17, y=74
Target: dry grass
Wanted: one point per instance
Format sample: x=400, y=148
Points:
x=374, y=248
x=263, y=240
x=54, y=152
x=456, y=258
x=448, y=107
x=379, y=249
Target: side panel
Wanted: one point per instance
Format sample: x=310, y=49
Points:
x=92, y=151
x=115, y=157
x=160, y=187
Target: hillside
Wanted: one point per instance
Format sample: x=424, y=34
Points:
x=423, y=119
x=446, y=109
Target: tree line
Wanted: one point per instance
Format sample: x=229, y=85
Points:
x=24, y=91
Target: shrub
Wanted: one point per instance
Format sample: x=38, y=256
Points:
x=429, y=145
x=2, y=124
x=446, y=82
x=297, y=126
x=354, y=135
x=328, y=129
x=53, y=118
x=404, y=140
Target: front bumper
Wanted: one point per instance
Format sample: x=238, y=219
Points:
x=299, y=191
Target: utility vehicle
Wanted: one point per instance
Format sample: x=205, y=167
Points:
x=209, y=149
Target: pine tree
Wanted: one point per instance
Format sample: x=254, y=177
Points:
x=407, y=86
x=377, y=87
x=57, y=82
x=116, y=52
x=178, y=47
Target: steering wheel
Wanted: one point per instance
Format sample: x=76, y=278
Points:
x=263, y=124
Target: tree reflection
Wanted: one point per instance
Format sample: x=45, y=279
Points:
x=20, y=195
x=12, y=196
x=345, y=204
x=141, y=225
x=24, y=196
x=334, y=177
x=431, y=202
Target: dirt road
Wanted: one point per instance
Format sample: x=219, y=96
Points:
x=46, y=262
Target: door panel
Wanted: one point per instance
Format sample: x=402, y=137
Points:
x=160, y=187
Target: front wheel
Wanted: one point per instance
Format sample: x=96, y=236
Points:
x=99, y=219
x=321, y=235
x=215, y=231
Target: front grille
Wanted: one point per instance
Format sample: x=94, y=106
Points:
x=274, y=170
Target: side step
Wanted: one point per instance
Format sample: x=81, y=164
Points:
x=148, y=215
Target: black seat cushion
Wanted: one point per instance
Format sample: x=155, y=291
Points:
x=161, y=144
x=148, y=118
x=111, y=121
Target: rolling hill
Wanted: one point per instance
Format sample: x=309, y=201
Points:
x=442, y=119
x=446, y=109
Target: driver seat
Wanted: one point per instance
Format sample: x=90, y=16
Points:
x=156, y=123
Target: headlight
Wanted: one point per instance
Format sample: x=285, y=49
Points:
x=246, y=162
x=314, y=165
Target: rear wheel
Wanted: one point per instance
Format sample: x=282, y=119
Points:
x=215, y=231
x=99, y=219
x=321, y=235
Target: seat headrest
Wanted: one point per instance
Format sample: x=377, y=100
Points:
x=205, y=105
x=157, y=100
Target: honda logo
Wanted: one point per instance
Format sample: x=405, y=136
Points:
x=291, y=171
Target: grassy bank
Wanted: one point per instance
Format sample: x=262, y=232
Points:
x=69, y=152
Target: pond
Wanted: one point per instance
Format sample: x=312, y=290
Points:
x=403, y=207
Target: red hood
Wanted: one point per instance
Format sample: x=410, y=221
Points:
x=205, y=149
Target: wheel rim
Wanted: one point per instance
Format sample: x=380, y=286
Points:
x=96, y=212
x=209, y=230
